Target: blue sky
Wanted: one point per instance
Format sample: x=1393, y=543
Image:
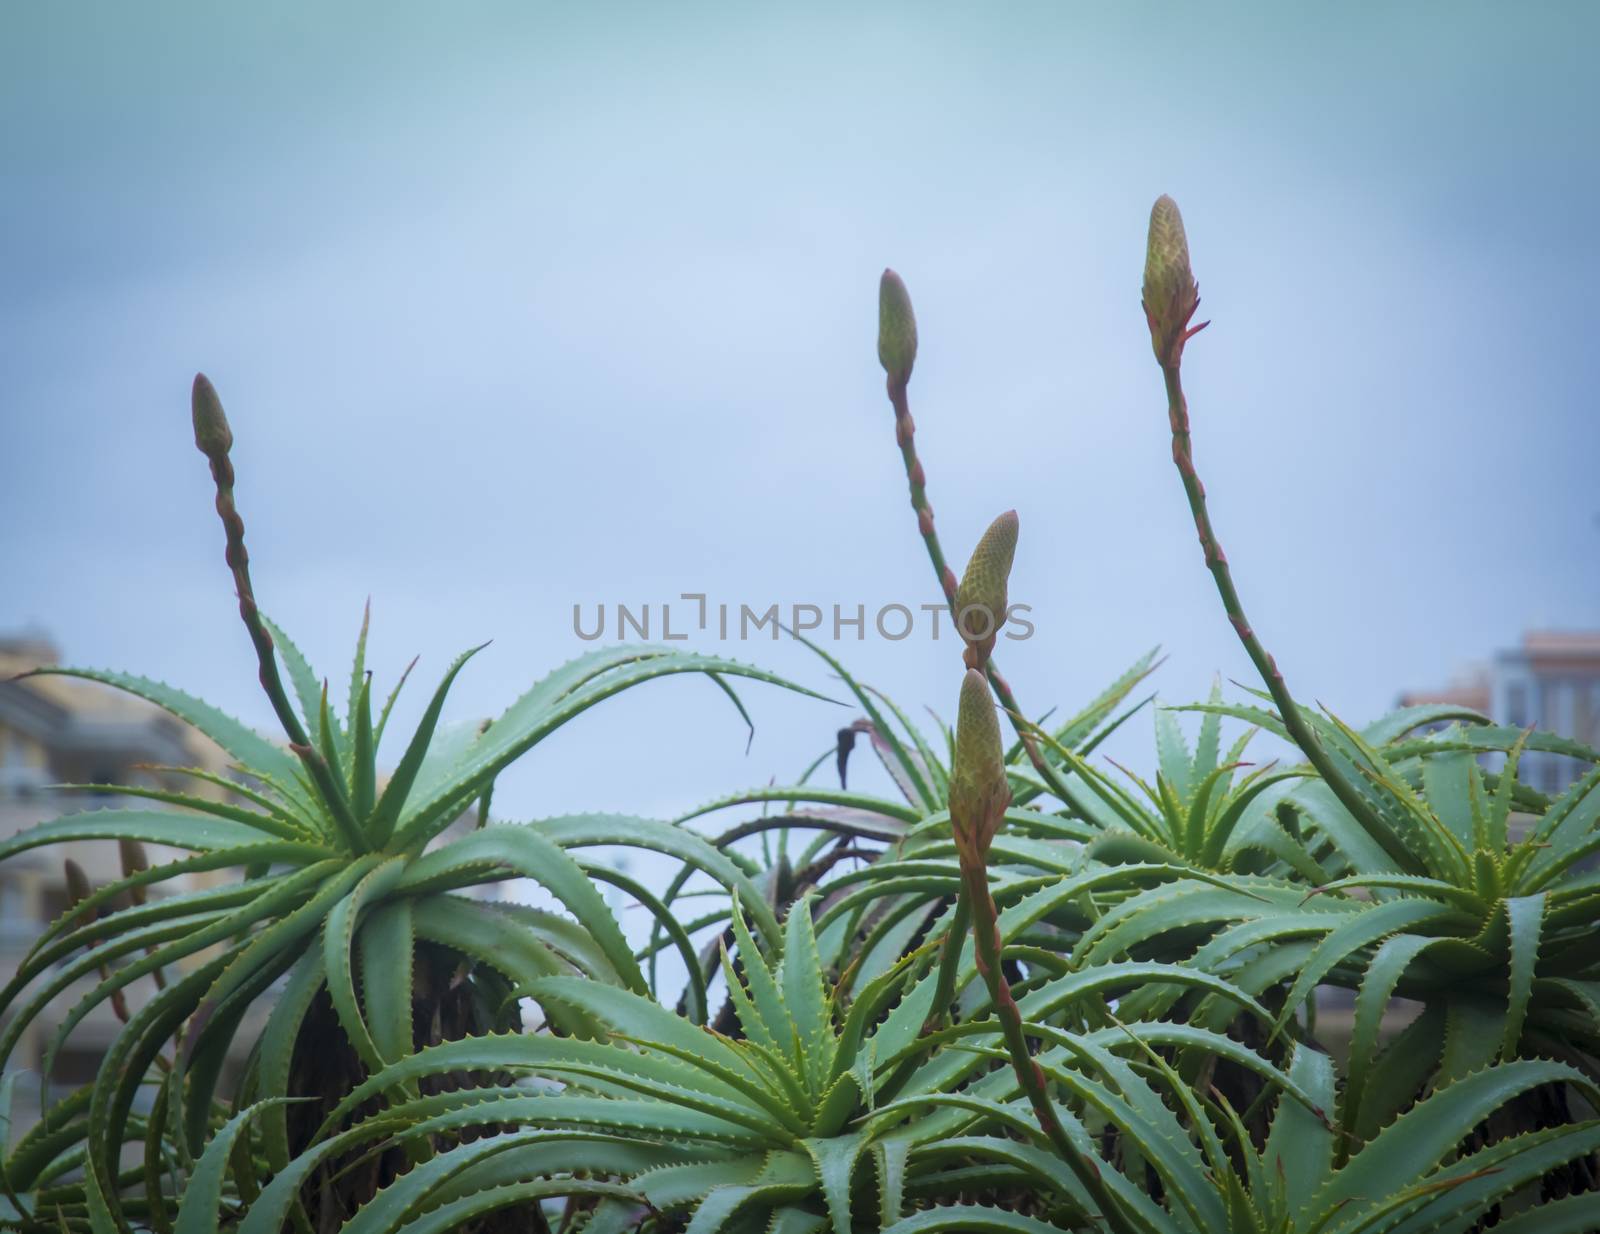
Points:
x=517, y=306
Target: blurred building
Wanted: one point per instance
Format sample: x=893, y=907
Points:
x=1552, y=682
x=60, y=731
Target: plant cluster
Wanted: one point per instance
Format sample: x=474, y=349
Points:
x=1027, y=994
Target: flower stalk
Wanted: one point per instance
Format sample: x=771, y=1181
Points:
x=79, y=889
x=135, y=861
x=1171, y=298
x=897, y=351
x=979, y=796
x=213, y=437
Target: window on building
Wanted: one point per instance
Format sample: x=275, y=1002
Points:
x=13, y=755
x=16, y=922
x=1517, y=705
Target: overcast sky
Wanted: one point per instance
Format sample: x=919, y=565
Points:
x=520, y=306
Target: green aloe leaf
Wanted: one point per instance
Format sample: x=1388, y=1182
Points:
x=541, y=712
x=243, y=743
x=196, y=833
x=1425, y=1134
x=310, y=692
x=338, y=937
x=527, y=853
x=387, y=812
x=201, y=1208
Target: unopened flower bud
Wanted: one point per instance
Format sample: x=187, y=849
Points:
x=134, y=858
x=979, y=793
x=134, y=861
x=211, y=432
x=981, y=597
x=78, y=888
x=1170, y=293
x=897, y=329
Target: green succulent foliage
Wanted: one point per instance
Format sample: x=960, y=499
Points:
x=1140, y=1054
x=816, y=1116
x=742, y=1134
x=803, y=1124
x=762, y=1123
x=1476, y=900
x=340, y=889
x=904, y=842
x=1216, y=1177
x=1501, y=959
x=1194, y=810
x=918, y=766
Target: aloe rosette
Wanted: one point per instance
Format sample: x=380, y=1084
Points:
x=349, y=909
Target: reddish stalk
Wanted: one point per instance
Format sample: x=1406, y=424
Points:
x=214, y=439
x=979, y=796
x=1171, y=298
x=905, y=430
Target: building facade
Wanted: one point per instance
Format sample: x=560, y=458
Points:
x=1551, y=682
x=68, y=745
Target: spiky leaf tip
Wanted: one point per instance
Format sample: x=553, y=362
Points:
x=897, y=328
x=981, y=597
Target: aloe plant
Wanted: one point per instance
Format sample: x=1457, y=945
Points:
x=1198, y=808
x=1490, y=931
x=1216, y=1177
x=1028, y=994
x=759, y=1124
x=814, y=1116
x=349, y=898
x=882, y=832
x=897, y=352
x=1493, y=932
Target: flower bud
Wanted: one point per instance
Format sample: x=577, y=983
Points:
x=134, y=858
x=1170, y=293
x=981, y=597
x=78, y=888
x=979, y=793
x=134, y=861
x=897, y=329
x=211, y=432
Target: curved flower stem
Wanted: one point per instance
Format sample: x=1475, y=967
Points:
x=214, y=441
x=1294, y=719
x=987, y=954
x=905, y=430
x=238, y=558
